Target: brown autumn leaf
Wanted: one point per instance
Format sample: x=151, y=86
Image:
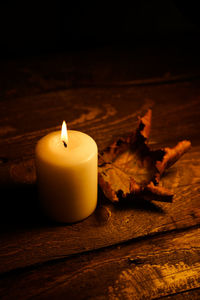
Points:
x=129, y=168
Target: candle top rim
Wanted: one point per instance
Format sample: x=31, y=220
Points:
x=80, y=149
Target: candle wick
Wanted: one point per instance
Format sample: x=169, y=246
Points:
x=65, y=144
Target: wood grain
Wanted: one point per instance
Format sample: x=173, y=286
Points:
x=167, y=265
x=27, y=237
x=103, y=113
x=108, y=66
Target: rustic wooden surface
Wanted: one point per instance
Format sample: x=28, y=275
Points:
x=145, y=269
x=140, y=251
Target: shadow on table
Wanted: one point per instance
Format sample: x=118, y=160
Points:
x=20, y=207
x=141, y=204
x=136, y=203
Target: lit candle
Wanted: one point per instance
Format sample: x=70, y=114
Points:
x=67, y=174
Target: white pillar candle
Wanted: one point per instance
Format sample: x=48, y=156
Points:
x=67, y=175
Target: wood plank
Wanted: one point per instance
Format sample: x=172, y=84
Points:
x=164, y=266
x=192, y=294
x=103, y=113
x=106, y=66
x=34, y=241
x=27, y=238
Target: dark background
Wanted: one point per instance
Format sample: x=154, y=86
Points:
x=36, y=27
x=68, y=44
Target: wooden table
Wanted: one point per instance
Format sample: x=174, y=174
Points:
x=147, y=250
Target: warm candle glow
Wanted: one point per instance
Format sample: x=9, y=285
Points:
x=67, y=174
x=64, y=135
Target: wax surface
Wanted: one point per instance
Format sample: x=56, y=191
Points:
x=67, y=176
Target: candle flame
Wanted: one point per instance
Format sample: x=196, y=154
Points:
x=64, y=135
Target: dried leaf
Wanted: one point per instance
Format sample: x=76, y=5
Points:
x=129, y=168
